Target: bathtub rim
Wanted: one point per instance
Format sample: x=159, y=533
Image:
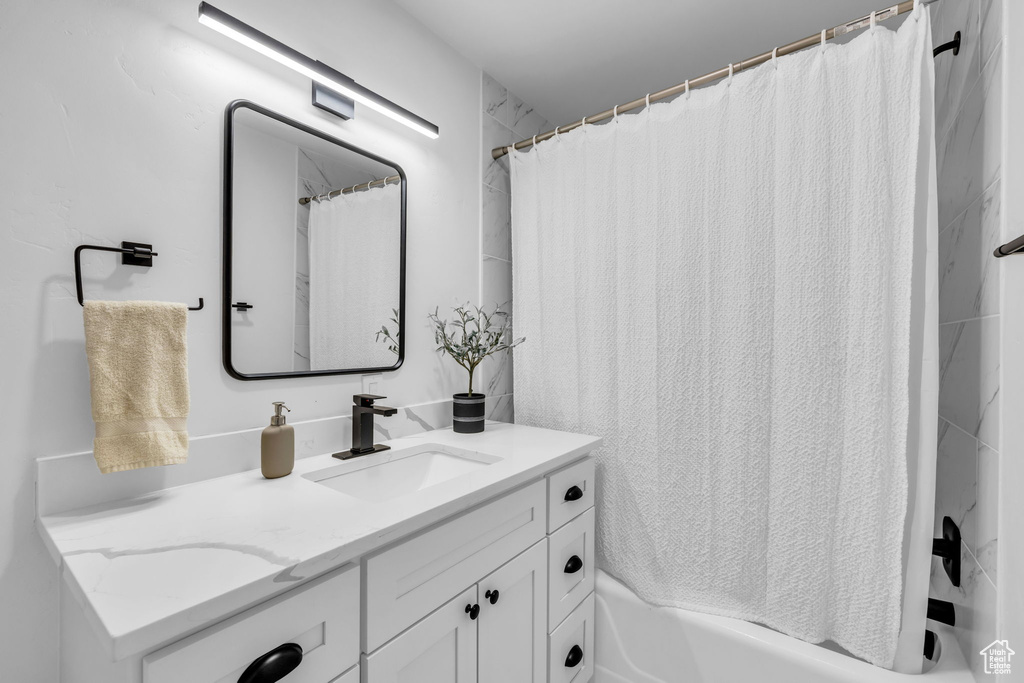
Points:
x=951, y=666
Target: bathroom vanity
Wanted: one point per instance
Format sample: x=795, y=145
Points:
x=447, y=558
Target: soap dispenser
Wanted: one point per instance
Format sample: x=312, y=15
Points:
x=277, y=447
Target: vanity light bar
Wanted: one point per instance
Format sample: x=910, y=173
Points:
x=317, y=71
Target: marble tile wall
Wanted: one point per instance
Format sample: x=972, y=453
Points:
x=968, y=143
x=504, y=118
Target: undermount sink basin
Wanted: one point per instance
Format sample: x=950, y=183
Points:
x=395, y=473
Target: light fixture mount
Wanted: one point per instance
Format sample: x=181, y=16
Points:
x=320, y=73
x=333, y=102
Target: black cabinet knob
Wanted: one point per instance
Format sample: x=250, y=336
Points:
x=472, y=610
x=274, y=665
x=241, y=306
x=573, y=565
x=574, y=657
x=492, y=596
x=574, y=493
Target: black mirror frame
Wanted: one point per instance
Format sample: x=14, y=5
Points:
x=227, y=247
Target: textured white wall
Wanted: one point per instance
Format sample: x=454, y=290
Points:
x=111, y=124
x=263, y=251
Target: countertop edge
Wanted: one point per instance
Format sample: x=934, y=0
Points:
x=226, y=605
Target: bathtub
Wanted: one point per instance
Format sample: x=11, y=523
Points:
x=640, y=643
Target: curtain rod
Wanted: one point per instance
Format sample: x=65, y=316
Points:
x=380, y=182
x=828, y=34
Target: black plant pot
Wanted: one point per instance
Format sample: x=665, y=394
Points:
x=468, y=413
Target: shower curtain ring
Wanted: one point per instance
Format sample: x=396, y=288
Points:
x=615, y=113
x=583, y=123
x=534, y=141
x=686, y=85
x=730, y=75
x=824, y=38
x=775, y=57
x=648, y=100
x=874, y=19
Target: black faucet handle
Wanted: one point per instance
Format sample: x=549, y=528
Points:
x=366, y=400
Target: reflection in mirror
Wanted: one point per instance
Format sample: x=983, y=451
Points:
x=314, y=240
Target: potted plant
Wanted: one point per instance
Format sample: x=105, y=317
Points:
x=472, y=335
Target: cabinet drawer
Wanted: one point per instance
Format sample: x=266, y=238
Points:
x=571, y=646
x=415, y=577
x=570, y=492
x=321, y=616
x=570, y=567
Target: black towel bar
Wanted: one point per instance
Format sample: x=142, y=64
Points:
x=132, y=254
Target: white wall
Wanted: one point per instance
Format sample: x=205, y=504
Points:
x=111, y=125
x=265, y=179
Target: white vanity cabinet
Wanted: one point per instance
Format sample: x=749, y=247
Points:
x=571, y=573
x=501, y=592
x=494, y=559
x=497, y=629
x=494, y=630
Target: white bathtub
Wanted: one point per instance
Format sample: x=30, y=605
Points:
x=639, y=643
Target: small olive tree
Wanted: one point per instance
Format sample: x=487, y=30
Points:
x=473, y=334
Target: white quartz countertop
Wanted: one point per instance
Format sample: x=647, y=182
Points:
x=147, y=570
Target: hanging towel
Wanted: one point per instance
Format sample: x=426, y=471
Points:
x=138, y=373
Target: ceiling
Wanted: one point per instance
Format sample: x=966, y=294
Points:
x=569, y=58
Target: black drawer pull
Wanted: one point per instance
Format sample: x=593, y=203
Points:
x=574, y=657
x=573, y=565
x=473, y=611
x=274, y=665
x=574, y=493
x=492, y=596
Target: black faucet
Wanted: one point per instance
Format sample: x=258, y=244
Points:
x=363, y=411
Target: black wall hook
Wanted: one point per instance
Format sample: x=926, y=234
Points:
x=132, y=254
x=953, y=45
x=948, y=548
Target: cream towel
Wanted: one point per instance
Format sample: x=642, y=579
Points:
x=138, y=371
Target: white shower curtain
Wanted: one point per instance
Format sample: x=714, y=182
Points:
x=730, y=288
x=353, y=275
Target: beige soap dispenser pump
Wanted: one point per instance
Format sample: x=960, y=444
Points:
x=277, y=446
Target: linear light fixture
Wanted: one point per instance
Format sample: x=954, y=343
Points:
x=317, y=71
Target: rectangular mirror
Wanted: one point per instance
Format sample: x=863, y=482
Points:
x=314, y=251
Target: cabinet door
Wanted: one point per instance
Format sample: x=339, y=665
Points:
x=513, y=635
x=439, y=649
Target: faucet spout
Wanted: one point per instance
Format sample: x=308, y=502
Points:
x=363, y=410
